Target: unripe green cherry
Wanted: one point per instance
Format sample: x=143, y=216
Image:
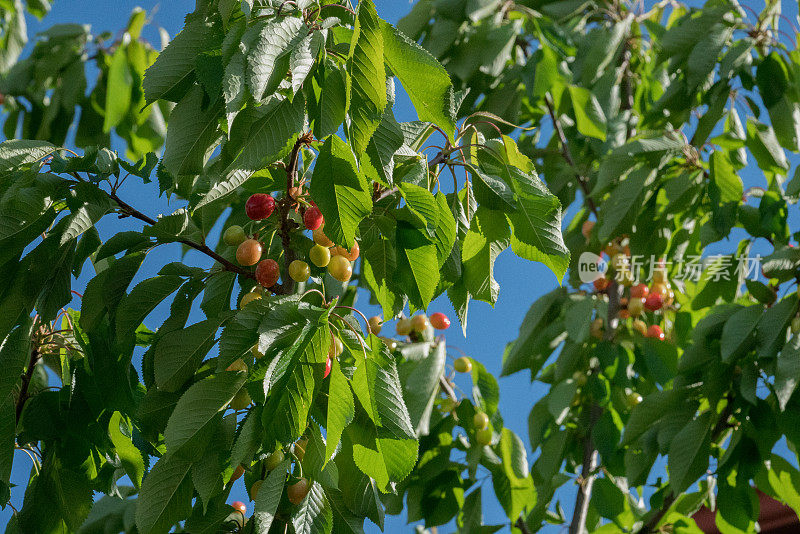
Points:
x=234, y=236
x=480, y=420
x=299, y=271
x=274, y=460
x=484, y=437
x=403, y=327
x=340, y=268
x=320, y=256
x=336, y=347
x=462, y=365
x=375, y=325
x=420, y=322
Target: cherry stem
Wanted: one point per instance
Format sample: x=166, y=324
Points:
x=357, y=311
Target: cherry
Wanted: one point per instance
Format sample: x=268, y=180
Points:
x=440, y=321
x=328, y=366
x=601, y=284
x=237, y=474
x=249, y=252
x=587, y=228
x=484, y=437
x=655, y=332
x=661, y=288
x=321, y=239
x=234, y=235
x=247, y=298
x=240, y=507
x=298, y=491
x=313, y=218
x=636, y=306
x=352, y=255
x=268, y=272
x=640, y=291
x=654, y=302
x=480, y=420
x=259, y=206
x=274, y=460
x=640, y=327
x=462, y=365
x=375, y=325
x=320, y=255
x=403, y=327
x=340, y=268
x=336, y=348
x=580, y=378
x=420, y=323
x=300, y=448
x=254, y=489
x=299, y=271
x=624, y=313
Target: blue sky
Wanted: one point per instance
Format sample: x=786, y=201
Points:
x=489, y=330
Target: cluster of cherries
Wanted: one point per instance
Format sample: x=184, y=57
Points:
x=249, y=250
x=641, y=297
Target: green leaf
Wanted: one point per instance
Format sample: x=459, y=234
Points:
x=738, y=332
x=415, y=256
x=303, y=58
x=268, y=134
x=119, y=429
x=536, y=225
x=688, y=453
x=173, y=71
x=119, y=89
x=269, y=497
x=344, y=521
x=512, y=450
x=341, y=191
x=422, y=76
x=314, y=514
x=268, y=55
x=341, y=408
x=14, y=353
x=725, y=191
x=420, y=381
x=15, y=153
x=193, y=129
x=379, y=263
x=142, y=300
x=333, y=100
x=589, y=117
x=487, y=237
x=367, y=77
x=787, y=371
x=624, y=203
x=178, y=353
x=519, y=354
x=165, y=497
x=187, y=432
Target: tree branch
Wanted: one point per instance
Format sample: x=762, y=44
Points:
x=567, y=155
x=26, y=381
x=129, y=211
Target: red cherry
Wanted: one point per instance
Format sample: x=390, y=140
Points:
x=654, y=302
x=268, y=272
x=240, y=507
x=313, y=218
x=328, y=365
x=259, y=206
x=601, y=284
x=655, y=332
x=640, y=291
x=440, y=321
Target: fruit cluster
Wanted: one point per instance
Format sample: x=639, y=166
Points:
x=639, y=299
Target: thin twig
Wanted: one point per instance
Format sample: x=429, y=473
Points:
x=567, y=155
x=26, y=381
